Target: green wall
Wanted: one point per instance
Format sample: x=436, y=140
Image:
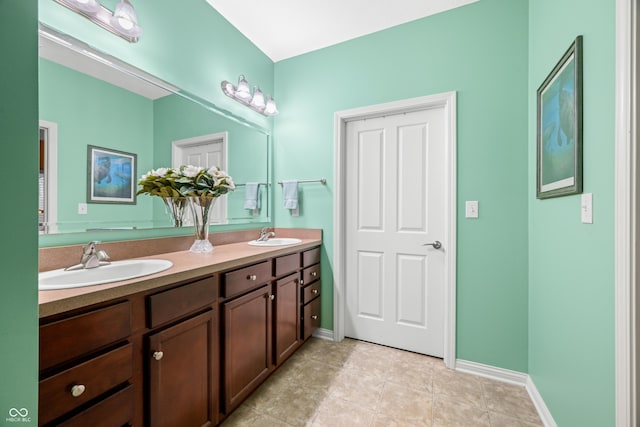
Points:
x=479, y=51
x=120, y=120
x=18, y=253
x=571, y=265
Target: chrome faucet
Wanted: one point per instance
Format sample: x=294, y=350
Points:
x=264, y=235
x=91, y=257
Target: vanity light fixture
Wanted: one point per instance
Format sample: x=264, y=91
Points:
x=255, y=101
x=122, y=22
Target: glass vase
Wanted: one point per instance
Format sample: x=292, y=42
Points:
x=201, y=207
x=176, y=207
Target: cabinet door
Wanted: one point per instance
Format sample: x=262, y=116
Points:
x=287, y=317
x=247, y=344
x=182, y=380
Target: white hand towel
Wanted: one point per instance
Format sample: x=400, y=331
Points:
x=290, y=193
x=252, y=197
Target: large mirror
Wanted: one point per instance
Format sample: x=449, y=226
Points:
x=135, y=122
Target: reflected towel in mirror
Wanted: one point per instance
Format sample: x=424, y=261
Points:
x=252, y=197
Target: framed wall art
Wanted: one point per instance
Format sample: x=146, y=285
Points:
x=559, y=127
x=111, y=176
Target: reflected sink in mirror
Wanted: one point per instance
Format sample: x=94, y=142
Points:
x=276, y=241
x=114, y=272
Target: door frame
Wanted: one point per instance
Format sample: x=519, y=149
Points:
x=447, y=101
x=627, y=209
x=177, y=146
x=51, y=174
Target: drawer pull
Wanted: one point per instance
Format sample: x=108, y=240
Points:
x=314, y=291
x=252, y=277
x=77, y=390
x=314, y=317
x=314, y=273
x=158, y=355
x=272, y=297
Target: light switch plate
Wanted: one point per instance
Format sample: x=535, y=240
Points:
x=82, y=209
x=471, y=209
x=586, y=208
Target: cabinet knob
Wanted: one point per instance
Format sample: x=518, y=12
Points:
x=157, y=355
x=252, y=277
x=314, y=291
x=314, y=273
x=314, y=317
x=301, y=281
x=272, y=297
x=77, y=390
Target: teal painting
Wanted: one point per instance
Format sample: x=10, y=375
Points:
x=560, y=127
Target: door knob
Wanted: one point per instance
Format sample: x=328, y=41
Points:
x=436, y=244
x=158, y=355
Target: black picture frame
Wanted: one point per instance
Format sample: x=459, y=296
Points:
x=559, y=127
x=111, y=176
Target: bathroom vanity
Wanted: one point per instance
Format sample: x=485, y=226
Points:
x=182, y=347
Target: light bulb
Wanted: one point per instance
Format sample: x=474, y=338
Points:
x=270, y=109
x=258, y=99
x=243, y=92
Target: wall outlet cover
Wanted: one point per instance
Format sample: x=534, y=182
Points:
x=82, y=209
x=471, y=209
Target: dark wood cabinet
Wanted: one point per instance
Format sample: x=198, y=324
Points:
x=310, y=295
x=182, y=380
x=286, y=318
x=247, y=344
x=84, y=359
x=186, y=354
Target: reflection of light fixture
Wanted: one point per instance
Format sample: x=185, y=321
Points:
x=242, y=94
x=122, y=22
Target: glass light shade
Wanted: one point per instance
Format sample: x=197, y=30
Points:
x=243, y=91
x=228, y=88
x=270, y=109
x=258, y=99
x=89, y=6
x=125, y=20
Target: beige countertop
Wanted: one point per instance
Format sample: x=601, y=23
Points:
x=186, y=265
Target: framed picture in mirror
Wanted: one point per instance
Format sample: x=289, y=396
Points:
x=111, y=176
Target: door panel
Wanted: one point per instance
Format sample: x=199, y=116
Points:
x=395, y=204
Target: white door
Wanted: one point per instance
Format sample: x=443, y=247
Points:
x=205, y=151
x=395, y=201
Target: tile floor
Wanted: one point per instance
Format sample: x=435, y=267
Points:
x=354, y=383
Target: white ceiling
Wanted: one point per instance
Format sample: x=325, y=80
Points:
x=286, y=28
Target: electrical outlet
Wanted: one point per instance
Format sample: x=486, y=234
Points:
x=82, y=209
x=471, y=209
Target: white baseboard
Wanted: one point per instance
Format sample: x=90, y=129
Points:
x=543, y=411
x=491, y=372
x=511, y=377
x=325, y=334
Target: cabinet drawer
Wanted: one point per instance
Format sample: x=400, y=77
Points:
x=287, y=264
x=310, y=274
x=312, y=256
x=78, y=335
x=311, y=319
x=97, y=375
x=178, y=302
x=310, y=292
x=244, y=279
x=115, y=410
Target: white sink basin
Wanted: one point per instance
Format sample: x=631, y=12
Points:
x=114, y=272
x=276, y=241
